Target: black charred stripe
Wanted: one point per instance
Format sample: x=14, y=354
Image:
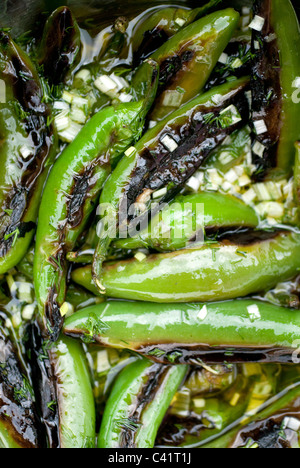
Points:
x=157, y=167
x=152, y=40
x=45, y=385
x=156, y=374
x=266, y=90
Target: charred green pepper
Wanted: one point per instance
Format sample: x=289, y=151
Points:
x=27, y=151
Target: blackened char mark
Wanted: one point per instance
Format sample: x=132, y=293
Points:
x=266, y=90
x=152, y=40
x=267, y=433
x=53, y=317
x=246, y=237
x=17, y=407
x=61, y=46
x=83, y=184
x=43, y=375
x=19, y=75
x=155, y=376
x=158, y=167
x=194, y=354
x=172, y=66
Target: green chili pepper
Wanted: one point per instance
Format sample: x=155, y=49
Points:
x=27, y=151
x=180, y=223
x=158, y=27
x=218, y=271
x=187, y=59
x=138, y=403
x=72, y=191
x=192, y=333
x=165, y=158
x=60, y=46
x=275, y=102
x=75, y=399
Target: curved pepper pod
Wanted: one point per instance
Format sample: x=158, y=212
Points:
x=72, y=191
x=19, y=424
x=27, y=151
x=138, y=403
x=158, y=27
x=188, y=217
x=187, y=59
x=60, y=46
x=165, y=158
x=75, y=400
x=63, y=391
x=275, y=99
x=232, y=331
x=218, y=271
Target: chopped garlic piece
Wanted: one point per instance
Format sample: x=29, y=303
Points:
x=160, y=193
x=105, y=84
x=260, y=127
x=169, y=143
x=257, y=23
x=193, y=183
x=140, y=256
x=253, y=312
x=203, y=313
x=223, y=58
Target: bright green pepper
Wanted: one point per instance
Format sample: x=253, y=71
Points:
x=26, y=154
x=138, y=403
x=218, y=271
x=192, y=332
x=189, y=215
x=72, y=191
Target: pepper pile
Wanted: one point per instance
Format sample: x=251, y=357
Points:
x=149, y=230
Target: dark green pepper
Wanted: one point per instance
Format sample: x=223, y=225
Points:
x=19, y=423
x=187, y=59
x=27, y=151
x=60, y=47
x=276, y=69
x=156, y=28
